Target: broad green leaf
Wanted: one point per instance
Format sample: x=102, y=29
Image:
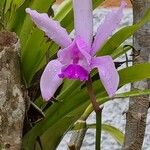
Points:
x=113, y=131
x=72, y=105
x=139, y=72
x=119, y=37
x=34, y=53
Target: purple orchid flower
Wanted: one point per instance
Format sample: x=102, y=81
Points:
x=77, y=58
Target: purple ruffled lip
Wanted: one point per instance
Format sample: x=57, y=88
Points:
x=75, y=72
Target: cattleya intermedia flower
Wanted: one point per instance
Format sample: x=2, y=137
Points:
x=76, y=58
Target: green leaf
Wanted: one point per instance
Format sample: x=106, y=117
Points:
x=10, y=8
x=65, y=14
x=113, y=131
x=133, y=93
x=138, y=72
x=7, y=5
x=10, y=3
x=120, y=51
x=119, y=37
x=18, y=3
x=2, y=2
x=18, y=18
x=34, y=53
x=63, y=10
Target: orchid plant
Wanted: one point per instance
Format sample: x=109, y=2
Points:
x=77, y=57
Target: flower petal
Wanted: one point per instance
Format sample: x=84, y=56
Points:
x=65, y=56
x=83, y=19
x=50, y=80
x=77, y=52
x=110, y=23
x=107, y=72
x=51, y=28
x=84, y=49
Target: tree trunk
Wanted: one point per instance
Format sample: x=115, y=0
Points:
x=138, y=106
x=12, y=106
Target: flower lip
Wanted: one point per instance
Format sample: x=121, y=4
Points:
x=74, y=71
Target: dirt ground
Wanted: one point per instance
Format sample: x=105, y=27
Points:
x=107, y=3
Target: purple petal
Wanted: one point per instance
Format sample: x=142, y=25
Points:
x=76, y=53
x=75, y=72
x=65, y=56
x=84, y=49
x=110, y=23
x=107, y=72
x=50, y=80
x=83, y=19
x=51, y=28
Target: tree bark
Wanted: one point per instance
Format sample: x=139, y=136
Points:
x=138, y=106
x=12, y=106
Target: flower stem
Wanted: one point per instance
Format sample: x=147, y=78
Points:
x=98, y=129
x=98, y=112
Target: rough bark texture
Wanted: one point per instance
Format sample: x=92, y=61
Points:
x=138, y=107
x=12, y=106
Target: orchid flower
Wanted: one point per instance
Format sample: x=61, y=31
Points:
x=76, y=58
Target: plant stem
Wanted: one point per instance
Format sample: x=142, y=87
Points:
x=98, y=112
x=98, y=129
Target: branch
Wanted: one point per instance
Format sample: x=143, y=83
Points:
x=138, y=106
x=12, y=107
